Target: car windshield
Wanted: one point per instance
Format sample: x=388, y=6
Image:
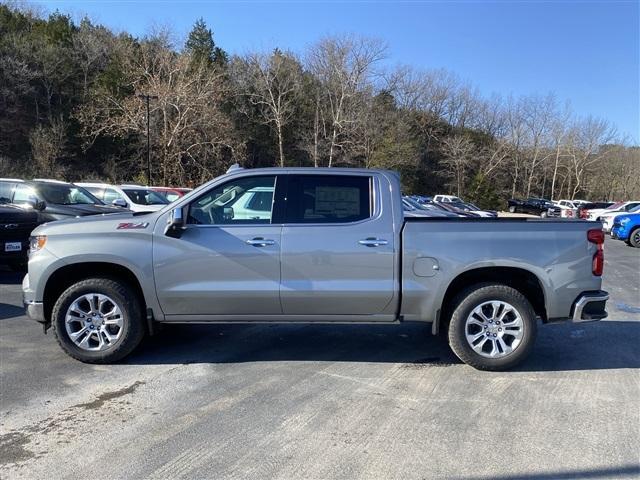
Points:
x=144, y=196
x=63, y=194
x=615, y=206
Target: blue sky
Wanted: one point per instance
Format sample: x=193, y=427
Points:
x=587, y=52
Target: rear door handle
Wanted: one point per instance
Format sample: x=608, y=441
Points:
x=260, y=242
x=373, y=242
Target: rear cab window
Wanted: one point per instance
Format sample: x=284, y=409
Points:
x=328, y=198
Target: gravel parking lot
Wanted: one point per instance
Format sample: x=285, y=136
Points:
x=299, y=401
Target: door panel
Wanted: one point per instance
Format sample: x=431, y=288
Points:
x=213, y=270
x=329, y=269
x=227, y=260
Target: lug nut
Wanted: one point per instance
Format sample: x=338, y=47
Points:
x=499, y=329
x=495, y=334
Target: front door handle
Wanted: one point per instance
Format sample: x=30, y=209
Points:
x=373, y=242
x=260, y=242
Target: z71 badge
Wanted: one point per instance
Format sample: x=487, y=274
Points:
x=132, y=226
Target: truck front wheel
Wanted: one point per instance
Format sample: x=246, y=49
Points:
x=493, y=327
x=98, y=320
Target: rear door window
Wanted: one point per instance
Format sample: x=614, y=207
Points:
x=328, y=198
x=6, y=191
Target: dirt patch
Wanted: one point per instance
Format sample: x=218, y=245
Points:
x=105, y=397
x=12, y=448
x=59, y=428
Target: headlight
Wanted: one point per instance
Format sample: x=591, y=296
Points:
x=625, y=220
x=37, y=243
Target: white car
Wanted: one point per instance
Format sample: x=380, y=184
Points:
x=620, y=207
x=608, y=218
x=136, y=198
x=447, y=199
x=569, y=208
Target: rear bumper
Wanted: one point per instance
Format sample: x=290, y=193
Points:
x=590, y=306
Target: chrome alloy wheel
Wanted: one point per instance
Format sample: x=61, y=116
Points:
x=94, y=322
x=494, y=329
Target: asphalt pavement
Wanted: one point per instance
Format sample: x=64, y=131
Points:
x=320, y=401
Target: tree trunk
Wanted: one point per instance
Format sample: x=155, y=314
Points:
x=280, y=148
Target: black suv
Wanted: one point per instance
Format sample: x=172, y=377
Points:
x=16, y=225
x=53, y=200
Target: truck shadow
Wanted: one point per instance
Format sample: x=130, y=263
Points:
x=565, y=347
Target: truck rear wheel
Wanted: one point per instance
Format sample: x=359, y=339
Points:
x=493, y=327
x=98, y=320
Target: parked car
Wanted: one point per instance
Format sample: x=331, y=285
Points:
x=626, y=227
x=334, y=247
x=133, y=197
x=52, y=199
x=447, y=199
x=568, y=208
x=451, y=207
x=471, y=208
x=413, y=208
x=608, y=218
x=170, y=193
x=534, y=206
x=16, y=225
x=620, y=207
x=583, y=210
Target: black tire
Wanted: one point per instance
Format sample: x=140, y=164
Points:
x=467, y=301
x=132, y=325
x=634, y=237
x=512, y=209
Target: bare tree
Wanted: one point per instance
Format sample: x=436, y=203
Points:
x=91, y=49
x=537, y=115
x=344, y=67
x=590, y=137
x=192, y=135
x=271, y=83
x=458, y=151
x=47, y=146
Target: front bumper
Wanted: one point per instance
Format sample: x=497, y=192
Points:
x=35, y=311
x=590, y=306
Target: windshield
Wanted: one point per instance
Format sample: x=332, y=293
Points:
x=144, y=196
x=615, y=206
x=62, y=194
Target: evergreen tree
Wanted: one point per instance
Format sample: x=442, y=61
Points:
x=202, y=48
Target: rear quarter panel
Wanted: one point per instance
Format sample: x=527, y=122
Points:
x=556, y=252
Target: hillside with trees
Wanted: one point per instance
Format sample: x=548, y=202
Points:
x=72, y=107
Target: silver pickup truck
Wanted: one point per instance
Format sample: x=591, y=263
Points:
x=311, y=245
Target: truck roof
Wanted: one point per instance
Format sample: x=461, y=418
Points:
x=276, y=170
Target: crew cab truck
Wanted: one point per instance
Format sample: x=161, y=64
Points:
x=329, y=246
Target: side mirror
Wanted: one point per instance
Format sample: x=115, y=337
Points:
x=175, y=223
x=119, y=202
x=40, y=205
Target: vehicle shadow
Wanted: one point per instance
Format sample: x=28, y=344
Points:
x=565, y=347
x=8, y=277
x=10, y=311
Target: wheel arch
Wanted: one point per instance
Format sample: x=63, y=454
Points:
x=67, y=275
x=523, y=280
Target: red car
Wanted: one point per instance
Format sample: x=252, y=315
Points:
x=170, y=193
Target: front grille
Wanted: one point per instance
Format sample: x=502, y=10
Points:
x=13, y=231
